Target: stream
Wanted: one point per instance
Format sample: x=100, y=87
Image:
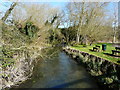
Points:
x=59, y=72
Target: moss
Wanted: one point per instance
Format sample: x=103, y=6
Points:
x=104, y=71
x=108, y=80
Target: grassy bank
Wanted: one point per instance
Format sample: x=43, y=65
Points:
x=107, y=55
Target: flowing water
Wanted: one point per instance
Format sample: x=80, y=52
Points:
x=59, y=72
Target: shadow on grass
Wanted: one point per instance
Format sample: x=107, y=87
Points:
x=109, y=54
x=92, y=50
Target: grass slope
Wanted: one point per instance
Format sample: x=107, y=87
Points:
x=101, y=53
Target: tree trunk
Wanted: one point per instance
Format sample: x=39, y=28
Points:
x=85, y=40
x=8, y=12
x=78, y=38
x=114, y=38
x=4, y=19
x=119, y=33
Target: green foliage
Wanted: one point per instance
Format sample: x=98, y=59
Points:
x=21, y=37
x=107, y=80
x=55, y=36
x=69, y=34
x=7, y=57
x=12, y=36
x=30, y=29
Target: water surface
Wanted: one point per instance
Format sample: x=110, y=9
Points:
x=59, y=72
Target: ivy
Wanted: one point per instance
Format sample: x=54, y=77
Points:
x=30, y=29
x=7, y=57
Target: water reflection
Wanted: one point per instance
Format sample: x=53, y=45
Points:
x=59, y=72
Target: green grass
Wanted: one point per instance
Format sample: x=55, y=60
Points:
x=101, y=53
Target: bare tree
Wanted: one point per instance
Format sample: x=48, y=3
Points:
x=41, y=15
x=115, y=24
x=87, y=18
x=8, y=12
